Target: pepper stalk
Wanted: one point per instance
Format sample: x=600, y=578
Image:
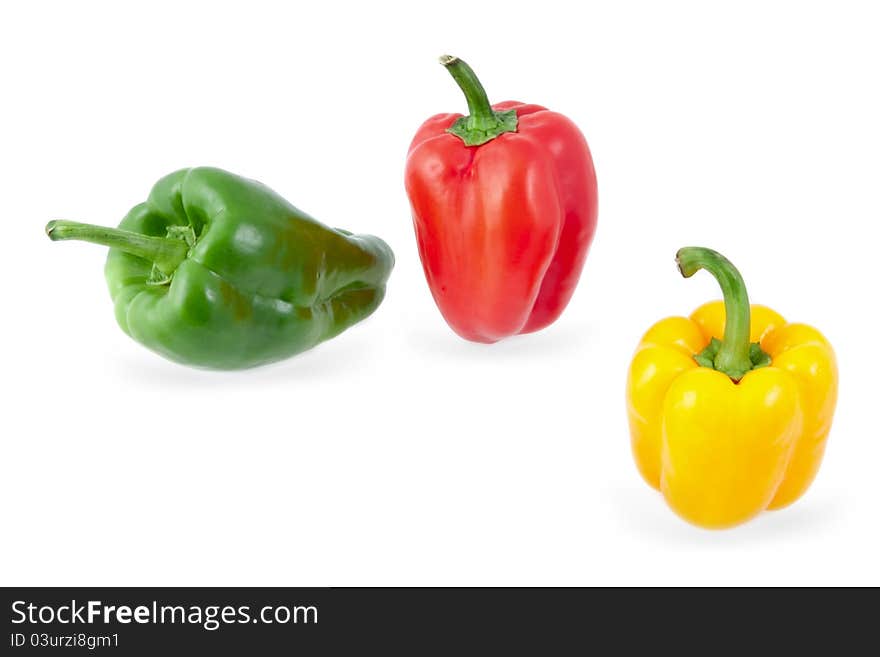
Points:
x=483, y=123
x=734, y=356
x=166, y=253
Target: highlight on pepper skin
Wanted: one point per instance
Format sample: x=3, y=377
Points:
x=219, y=272
x=729, y=409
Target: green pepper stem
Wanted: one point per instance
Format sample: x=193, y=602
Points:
x=732, y=357
x=165, y=253
x=483, y=123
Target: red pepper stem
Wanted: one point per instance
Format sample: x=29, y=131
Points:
x=733, y=357
x=483, y=123
x=166, y=253
x=478, y=103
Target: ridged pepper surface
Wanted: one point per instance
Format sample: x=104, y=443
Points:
x=729, y=409
x=504, y=205
x=218, y=271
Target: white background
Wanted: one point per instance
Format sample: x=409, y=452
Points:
x=399, y=453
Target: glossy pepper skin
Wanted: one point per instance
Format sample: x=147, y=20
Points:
x=218, y=271
x=504, y=206
x=729, y=409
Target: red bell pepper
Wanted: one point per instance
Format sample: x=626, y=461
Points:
x=504, y=205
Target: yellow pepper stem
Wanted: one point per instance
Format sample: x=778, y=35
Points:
x=734, y=355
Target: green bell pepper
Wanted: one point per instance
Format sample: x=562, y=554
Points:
x=218, y=271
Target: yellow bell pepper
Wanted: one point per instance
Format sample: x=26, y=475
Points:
x=729, y=410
